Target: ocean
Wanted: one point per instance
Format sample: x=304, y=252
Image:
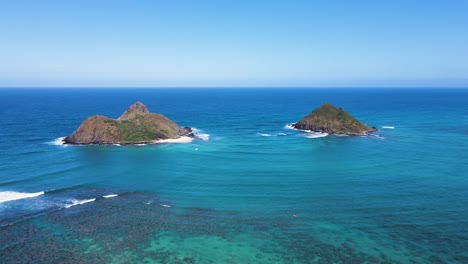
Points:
x=249, y=190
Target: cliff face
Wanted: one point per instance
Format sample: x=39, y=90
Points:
x=330, y=119
x=135, y=125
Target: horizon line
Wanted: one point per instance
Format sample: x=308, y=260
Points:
x=233, y=87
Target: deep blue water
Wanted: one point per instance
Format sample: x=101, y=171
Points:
x=254, y=192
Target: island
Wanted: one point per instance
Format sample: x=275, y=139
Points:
x=333, y=120
x=135, y=126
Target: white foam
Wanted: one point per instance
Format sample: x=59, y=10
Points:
x=110, y=195
x=388, y=127
x=117, y=145
x=11, y=196
x=316, y=135
x=180, y=140
x=78, y=202
x=271, y=135
x=196, y=148
x=58, y=142
x=203, y=136
x=341, y=135
x=197, y=133
x=165, y=205
x=290, y=126
x=140, y=144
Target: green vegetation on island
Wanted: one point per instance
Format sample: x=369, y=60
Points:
x=333, y=120
x=135, y=126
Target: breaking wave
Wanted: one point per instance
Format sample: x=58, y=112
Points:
x=78, y=202
x=388, y=127
x=309, y=133
x=11, y=196
x=316, y=135
x=290, y=126
x=203, y=136
x=271, y=135
x=57, y=142
x=197, y=133
x=180, y=140
x=110, y=195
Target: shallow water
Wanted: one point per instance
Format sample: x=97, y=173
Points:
x=252, y=191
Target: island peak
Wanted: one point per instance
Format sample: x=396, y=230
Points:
x=135, y=109
x=333, y=120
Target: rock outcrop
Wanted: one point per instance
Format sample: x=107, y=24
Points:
x=333, y=120
x=135, y=126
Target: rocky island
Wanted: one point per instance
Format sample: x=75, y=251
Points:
x=135, y=126
x=333, y=120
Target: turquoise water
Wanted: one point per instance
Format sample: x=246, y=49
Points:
x=252, y=191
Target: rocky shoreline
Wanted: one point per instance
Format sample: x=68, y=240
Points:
x=186, y=132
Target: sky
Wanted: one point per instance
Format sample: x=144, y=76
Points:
x=234, y=43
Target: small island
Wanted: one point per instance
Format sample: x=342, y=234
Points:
x=135, y=126
x=333, y=120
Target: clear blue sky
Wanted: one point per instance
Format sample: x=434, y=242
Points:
x=234, y=43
